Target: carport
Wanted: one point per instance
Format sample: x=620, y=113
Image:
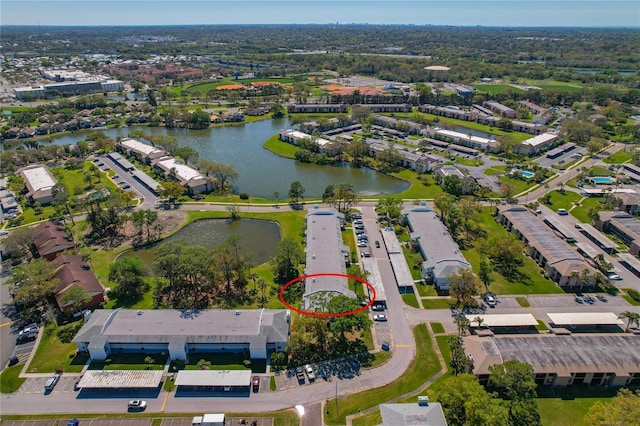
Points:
x=132, y=380
x=502, y=323
x=586, y=320
x=214, y=381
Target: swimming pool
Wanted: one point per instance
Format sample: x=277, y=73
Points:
x=524, y=173
x=602, y=180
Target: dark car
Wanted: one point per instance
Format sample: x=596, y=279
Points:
x=255, y=382
x=377, y=244
x=73, y=422
x=75, y=385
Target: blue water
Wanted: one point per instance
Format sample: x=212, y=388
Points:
x=526, y=174
x=602, y=180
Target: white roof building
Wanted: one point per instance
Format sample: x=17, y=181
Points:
x=39, y=182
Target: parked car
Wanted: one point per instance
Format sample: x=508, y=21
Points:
x=300, y=375
x=137, y=405
x=27, y=334
x=256, y=383
x=562, y=212
x=377, y=244
x=310, y=373
x=602, y=298
x=490, y=299
x=377, y=307
x=75, y=385
x=579, y=300
x=380, y=317
x=385, y=346
x=73, y=422
x=51, y=382
x=613, y=276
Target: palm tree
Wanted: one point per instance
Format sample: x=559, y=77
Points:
x=463, y=323
x=631, y=317
x=479, y=320
x=574, y=277
x=585, y=277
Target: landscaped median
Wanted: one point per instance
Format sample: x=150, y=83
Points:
x=424, y=366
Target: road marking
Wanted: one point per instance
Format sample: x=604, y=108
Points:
x=164, y=403
x=404, y=346
x=4, y=324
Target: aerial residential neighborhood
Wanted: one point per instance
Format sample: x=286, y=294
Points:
x=289, y=224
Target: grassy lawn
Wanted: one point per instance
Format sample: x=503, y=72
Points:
x=411, y=300
x=565, y=201
x=9, y=380
x=523, y=302
x=532, y=281
x=439, y=303
x=53, y=354
x=495, y=170
x=496, y=89
x=219, y=361
x=629, y=298
x=541, y=326
x=423, y=186
x=581, y=212
x=372, y=418
x=414, y=261
x=280, y=418
x=130, y=362
x=518, y=185
x=425, y=290
x=424, y=365
x=380, y=358
x=618, y=157
x=280, y=148
x=572, y=403
x=437, y=328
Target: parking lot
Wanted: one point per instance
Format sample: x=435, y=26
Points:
x=340, y=369
x=36, y=385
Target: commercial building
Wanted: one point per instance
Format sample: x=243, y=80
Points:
x=442, y=256
x=39, y=182
x=317, y=108
x=591, y=359
x=623, y=226
x=69, y=87
x=179, y=333
x=450, y=112
x=188, y=177
x=325, y=254
x=553, y=254
x=145, y=153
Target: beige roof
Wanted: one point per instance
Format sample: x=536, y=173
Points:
x=584, y=318
x=213, y=378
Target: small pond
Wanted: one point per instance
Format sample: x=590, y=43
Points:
x=258, y=237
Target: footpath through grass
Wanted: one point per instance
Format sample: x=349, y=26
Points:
x=424, y=366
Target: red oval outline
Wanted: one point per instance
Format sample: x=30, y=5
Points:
x=322, y=314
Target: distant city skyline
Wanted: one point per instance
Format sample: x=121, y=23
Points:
x=500, y=13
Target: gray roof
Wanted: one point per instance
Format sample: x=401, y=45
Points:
x=146, y=180
x=589, y=353
x=412, y=415
x=325, y=253
x=442, y=254
x=165, y=326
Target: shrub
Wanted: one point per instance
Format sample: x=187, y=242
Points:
x=634, y=294
x=244, y=196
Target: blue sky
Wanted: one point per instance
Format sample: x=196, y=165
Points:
x=509, y=13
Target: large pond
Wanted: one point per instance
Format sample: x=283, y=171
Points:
x=258, y=237
x=261, y=172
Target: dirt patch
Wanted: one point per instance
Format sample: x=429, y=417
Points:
x=167, y=223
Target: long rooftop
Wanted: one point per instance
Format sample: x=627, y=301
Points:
x=38, y=178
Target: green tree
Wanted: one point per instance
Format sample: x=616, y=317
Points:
x=19, y=244
x=357, y=149
x=186, y=153
x=466, y=403
x=33, y=283
x=388, y=159
x=296, y=191
x=285, y=263
x=460, y=362
x=199, y=119
x=631, y=318
x=390, y=207
x=517, y=380
x=344, y=196
x=462, y=323
x=75, y=298
x=347, y=323
x=621, y=410
x=484, y=273
x=225, y=174
x=452, y=185
x=171, y=191
x=464, y=284
x=127, y=273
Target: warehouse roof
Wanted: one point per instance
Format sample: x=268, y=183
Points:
x=504, y=320
x=584, y=318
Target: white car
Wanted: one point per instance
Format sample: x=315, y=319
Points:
x=310, y=373
x=613, y=276
x=137, y=404
x=380, y=317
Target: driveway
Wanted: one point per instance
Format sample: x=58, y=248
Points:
x=149, y=198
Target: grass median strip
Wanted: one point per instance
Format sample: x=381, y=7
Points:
x=424, y=365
